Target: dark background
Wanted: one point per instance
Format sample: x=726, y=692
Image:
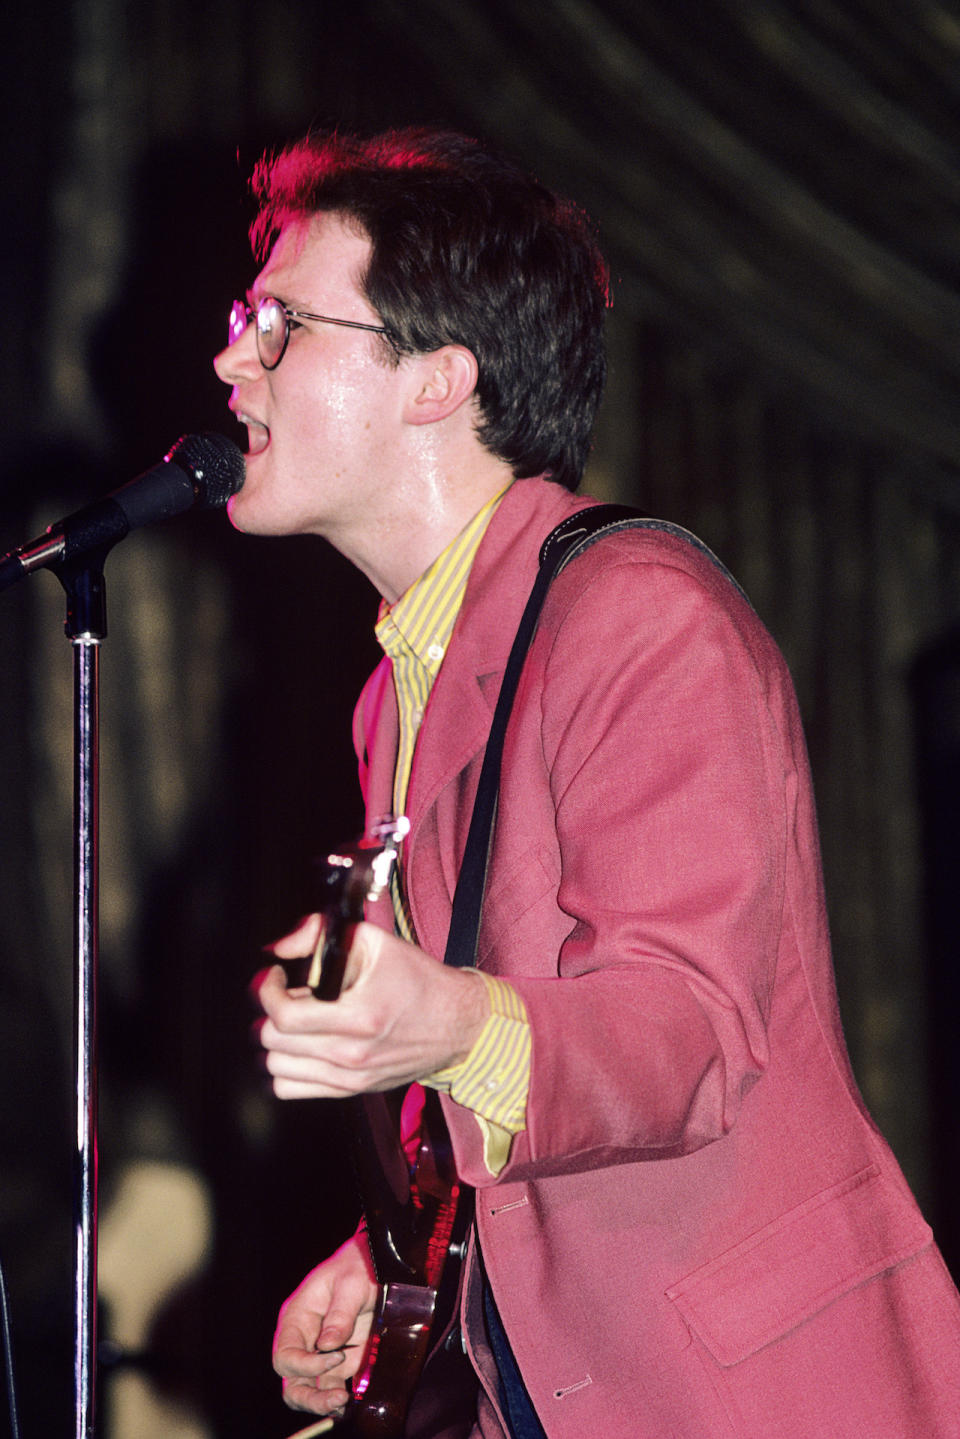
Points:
x=777, y=186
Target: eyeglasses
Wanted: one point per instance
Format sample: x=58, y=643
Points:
x=273, y=327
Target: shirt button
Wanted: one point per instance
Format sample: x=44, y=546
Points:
x=435, y=653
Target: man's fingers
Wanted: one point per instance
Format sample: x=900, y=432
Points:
x=338, y=1330
x=299, y=941
x=310, y=1365
x=295, y=1363
x=307, y=1397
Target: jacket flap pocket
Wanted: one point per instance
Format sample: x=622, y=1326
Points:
x=787, y=1271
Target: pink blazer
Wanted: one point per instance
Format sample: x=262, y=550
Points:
x=700, y=1233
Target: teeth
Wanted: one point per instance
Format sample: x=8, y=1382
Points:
x=258, y=435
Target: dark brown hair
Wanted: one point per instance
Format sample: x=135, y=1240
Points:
x=468, y=249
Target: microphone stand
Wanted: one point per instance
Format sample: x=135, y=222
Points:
x=199, y=469
x=86, y=627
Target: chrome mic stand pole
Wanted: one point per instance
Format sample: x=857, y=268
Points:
x=86, y=626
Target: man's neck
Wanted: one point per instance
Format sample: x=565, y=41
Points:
x=394, y=549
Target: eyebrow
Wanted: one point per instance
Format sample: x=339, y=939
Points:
x=272, y=291
x=253, y=300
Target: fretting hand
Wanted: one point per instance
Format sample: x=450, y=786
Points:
x=400, y=1017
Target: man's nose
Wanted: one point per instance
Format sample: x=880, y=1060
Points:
x=239, y=360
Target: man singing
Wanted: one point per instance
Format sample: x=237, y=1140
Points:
x=687, y=1226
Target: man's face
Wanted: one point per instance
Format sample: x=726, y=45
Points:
x=322, y=425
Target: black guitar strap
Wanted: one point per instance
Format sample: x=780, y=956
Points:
x=571, y=536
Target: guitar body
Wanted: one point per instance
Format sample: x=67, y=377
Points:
x=417, y=1214
x=409, y=1319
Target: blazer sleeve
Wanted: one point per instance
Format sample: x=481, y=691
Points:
x=668, y=735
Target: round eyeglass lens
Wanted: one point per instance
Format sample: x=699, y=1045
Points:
x=271, y=333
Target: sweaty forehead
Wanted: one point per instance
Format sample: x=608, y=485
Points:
x=320, y=258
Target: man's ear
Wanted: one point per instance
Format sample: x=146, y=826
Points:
x=443, y=380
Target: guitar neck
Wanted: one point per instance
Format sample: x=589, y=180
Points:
x=407, y=1205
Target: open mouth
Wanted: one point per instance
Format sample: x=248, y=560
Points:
x=258, y=435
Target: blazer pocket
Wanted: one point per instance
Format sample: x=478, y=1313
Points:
x=791, y=1269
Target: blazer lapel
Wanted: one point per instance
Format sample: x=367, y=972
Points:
x=464, y=695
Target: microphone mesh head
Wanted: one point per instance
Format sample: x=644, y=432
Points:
x=214, y=464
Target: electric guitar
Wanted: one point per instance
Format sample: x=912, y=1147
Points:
x=417, y=1213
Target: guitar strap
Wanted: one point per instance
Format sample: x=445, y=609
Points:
x=571, y=537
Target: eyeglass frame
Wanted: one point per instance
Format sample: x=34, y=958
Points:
x=250, y=314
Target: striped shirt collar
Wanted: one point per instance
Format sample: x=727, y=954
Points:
x=421, y=621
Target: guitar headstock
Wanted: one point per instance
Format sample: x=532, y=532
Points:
x=350, y=878
x=361, y=872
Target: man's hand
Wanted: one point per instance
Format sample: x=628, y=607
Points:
x=323, y=1329
x=400, y=1017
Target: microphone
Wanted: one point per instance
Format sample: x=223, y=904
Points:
x=202, y=470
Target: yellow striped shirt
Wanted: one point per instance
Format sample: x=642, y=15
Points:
x=414, y=633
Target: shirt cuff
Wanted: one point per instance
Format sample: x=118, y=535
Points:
x=494, y=1079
